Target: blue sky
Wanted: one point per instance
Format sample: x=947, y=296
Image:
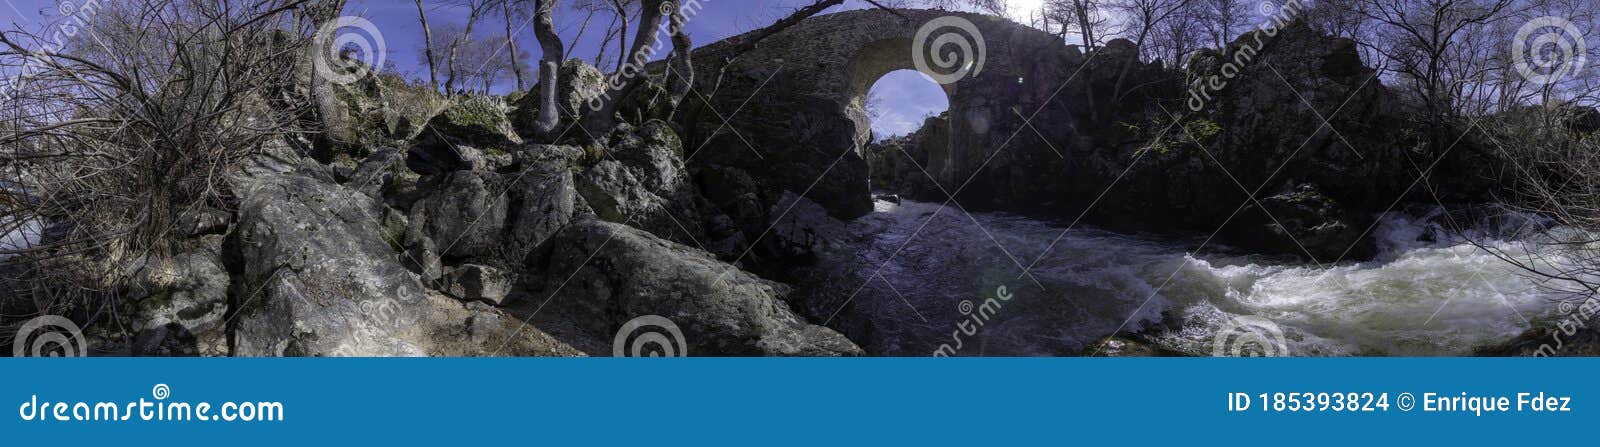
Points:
x=908, y=96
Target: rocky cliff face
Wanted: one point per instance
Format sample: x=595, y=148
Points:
x=1254, y=160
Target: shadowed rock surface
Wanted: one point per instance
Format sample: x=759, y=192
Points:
x=316, y=279
x=602, y=274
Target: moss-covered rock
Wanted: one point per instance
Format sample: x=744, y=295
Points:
x=579, y=83
x=476, y=120
x=386, y=110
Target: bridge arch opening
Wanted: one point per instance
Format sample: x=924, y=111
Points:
x=900, y=102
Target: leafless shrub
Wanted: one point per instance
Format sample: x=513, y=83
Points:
x=118, y=127
x=1553, y=157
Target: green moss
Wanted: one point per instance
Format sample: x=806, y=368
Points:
x=394, y=238
x=659, y=132
x=593, y=152
x=477, y=111
x=1159, y=146
x=1202, y=129
x=344, y=159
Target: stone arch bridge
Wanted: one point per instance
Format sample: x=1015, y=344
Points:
x=1045, y=129
x=795, y=104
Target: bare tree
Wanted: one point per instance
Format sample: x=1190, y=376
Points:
x=475, y=11
x=544, y=29
x=605, y=43
x=1082, y=17
x=334, y=116
x=512, y=10
x=1221, y=18
x=682, y=65
x=427, y=52
x=1173, y=39
x=1418, y=36
x=1144, y=19
x=144, y=115
x=484, y=62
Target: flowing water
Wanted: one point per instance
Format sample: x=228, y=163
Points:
x=909, y=273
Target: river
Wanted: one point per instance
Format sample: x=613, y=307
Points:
x=908, y=273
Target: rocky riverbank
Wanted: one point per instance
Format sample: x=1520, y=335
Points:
x=446, y=226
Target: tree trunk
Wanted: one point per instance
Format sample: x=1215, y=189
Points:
x=544, y=29
x=511, y=43
x=622, y=33
x=332, y=114
x=650, y=20
x=455, y=46
x=681, y=63
x=427, y=48
x=1081, y=9
x=631, y=66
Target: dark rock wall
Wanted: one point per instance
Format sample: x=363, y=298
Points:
x=1253, y=161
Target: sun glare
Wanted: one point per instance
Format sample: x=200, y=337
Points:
x=1021, y=9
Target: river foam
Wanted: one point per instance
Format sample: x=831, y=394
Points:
x=1428, y=293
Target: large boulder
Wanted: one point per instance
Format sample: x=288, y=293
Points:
x=467, y=135
x=543, y=198
x=478, y=283
x=601, y=275
x=386, y=109
x=384, y=176
x=800, y=229
x=314, y=266
x=1304, y=221
x=640, y=180
x=319, y=280
x=181, y=301
x=463, y=216
x=496, y=218
x=476, y=120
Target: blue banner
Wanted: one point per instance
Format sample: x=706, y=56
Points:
x=963, y=401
